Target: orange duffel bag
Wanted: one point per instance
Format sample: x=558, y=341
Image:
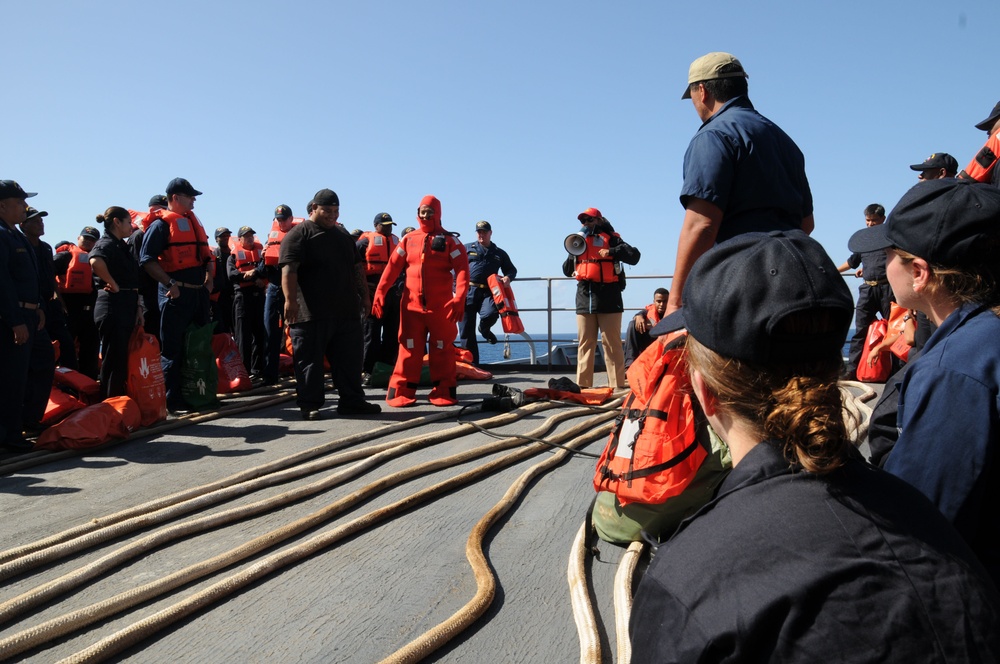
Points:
x=233, y=376
x=145, y=382
x=61, y=403
x=94, y=425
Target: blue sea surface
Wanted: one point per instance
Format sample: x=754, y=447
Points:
x=519, y=350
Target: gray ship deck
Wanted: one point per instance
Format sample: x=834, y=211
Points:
x=356, y=600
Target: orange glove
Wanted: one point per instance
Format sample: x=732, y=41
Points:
x=377, y=304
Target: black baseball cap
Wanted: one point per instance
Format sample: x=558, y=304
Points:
x=181, y=186
x=325, y=197
x=282, y=212
x=11, y=189
x=159, y=199
x=988, y=123
x=483, y=226
x=32, y=213
x=741, y=289
x=941, y=221
x=938, y=160
x=91, y=232
x=222, y=230
x=384, y=219
x=245, y=230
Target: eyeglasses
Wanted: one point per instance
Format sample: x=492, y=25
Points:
x=588, y=220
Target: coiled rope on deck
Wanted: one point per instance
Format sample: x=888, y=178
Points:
x=436, y=637
x=67, y=623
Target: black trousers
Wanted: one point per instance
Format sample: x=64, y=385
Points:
x=339, y=341
x=81, y=323
x=248, y=328
x=871, y=300
x=114, y=315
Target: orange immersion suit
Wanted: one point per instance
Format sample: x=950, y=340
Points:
x=429, y=309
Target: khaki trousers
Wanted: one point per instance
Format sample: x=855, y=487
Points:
x=611, y=340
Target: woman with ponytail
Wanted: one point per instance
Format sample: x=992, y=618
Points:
x=806, y=553
x=117, y=310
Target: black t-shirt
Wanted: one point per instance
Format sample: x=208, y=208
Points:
x=121, y=262
x=327, y=260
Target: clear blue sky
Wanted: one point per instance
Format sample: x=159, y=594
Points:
x=521, y=113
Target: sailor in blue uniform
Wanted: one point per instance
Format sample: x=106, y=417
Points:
x=27, y=370
x=485, y=259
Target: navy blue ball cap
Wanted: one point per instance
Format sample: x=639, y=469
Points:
x=383, y=219
x=740, y=290
x=11, y=189
x=181, y=186
x=942, y=221
x=159, y=199
x=991, y=119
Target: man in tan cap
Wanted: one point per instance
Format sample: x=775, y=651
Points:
x=742, y=173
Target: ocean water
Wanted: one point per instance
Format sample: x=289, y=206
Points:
x=519, y=350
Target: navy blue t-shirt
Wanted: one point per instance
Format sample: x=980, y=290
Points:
x=746, y=165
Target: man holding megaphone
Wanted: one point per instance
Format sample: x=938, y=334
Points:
x=596, y=253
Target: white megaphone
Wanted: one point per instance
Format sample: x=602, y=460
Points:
x=576, y=243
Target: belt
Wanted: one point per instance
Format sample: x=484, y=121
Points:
x=28, y=305
x=184, y=285
x=126, y=290
x=472, y=283
x=877, y=282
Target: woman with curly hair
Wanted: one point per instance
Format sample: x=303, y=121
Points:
x=806, y=553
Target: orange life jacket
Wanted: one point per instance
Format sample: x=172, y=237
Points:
x=651, y=314
x=377, y=252
x=188, y=244
x=246, y=259
x=981, y=167
x=653, y=453
x=79, y=277
x=503, y=297
x=273, y=247
x=590, y=266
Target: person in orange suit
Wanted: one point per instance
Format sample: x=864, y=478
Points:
x=430, y=309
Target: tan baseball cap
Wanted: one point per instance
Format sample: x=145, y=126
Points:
x=706, y=68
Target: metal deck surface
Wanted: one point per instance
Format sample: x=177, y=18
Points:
x=356, y=600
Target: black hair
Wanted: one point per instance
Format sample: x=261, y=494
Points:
x=724, y=89
x=109, y=216
x=875, y=210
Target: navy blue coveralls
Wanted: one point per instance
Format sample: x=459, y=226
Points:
x=483, y=262
x=28, y=367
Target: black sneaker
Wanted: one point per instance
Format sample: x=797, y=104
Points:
x=488, y=335
x=17, y=444
x=311, y=414
x=358, y=408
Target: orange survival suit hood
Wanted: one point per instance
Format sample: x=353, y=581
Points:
x=432, y=225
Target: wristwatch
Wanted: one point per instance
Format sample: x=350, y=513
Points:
x=172, y=282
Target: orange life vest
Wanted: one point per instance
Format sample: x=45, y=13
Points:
x=651, y=314
x=591, y=266
x=79, y=277
x=378, y=251
x=188, y=244
x=246, y=259
x=981, y=167
x=503, y=297
x=273, y=247
x=653, y=453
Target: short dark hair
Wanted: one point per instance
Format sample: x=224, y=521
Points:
x=874, y=210
x=661, y=291
x=724, y=89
